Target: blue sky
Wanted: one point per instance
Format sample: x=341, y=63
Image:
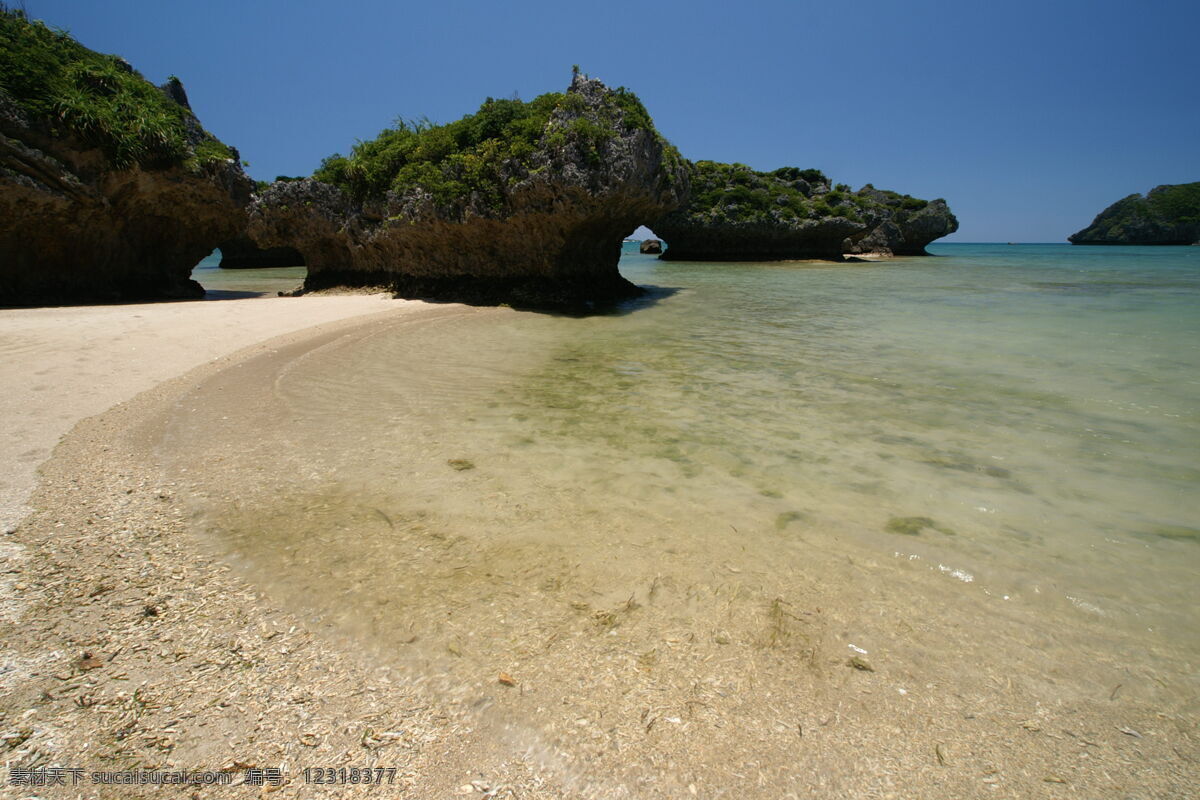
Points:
x=1028, y=117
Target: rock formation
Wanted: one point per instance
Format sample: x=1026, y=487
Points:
x=906, y=224
x=650, y=247
x=738, y=214
x=524, y=203
x=243, y=253
x=109, y=188
x=1168, y=214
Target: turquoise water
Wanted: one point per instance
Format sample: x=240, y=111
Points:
x=1072, y=370
x=978, y=467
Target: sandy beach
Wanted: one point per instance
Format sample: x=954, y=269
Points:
x=60, y=365
x=72, y=575
x=132, y=644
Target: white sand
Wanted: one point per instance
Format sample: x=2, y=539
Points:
x=61, y=365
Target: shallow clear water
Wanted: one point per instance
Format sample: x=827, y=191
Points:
x=245, y=282
x=988, y=455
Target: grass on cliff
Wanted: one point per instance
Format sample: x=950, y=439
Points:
x=68, y=89
x=479, y=155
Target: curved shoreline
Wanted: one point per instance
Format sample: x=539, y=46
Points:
x=63, y=364
x=126, y=645
x=137, y=647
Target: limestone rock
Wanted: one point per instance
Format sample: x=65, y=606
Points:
x=651, y=247
x=74, y=229
x=96, y=213
x=738, y=214
x=538, y=224
x=906, y=224
x=173, y=89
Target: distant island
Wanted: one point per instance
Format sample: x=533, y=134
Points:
x=1167, y=214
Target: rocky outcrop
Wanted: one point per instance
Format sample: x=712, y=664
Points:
x=121, y=208
x=906, y=224
x=174, y=90
x=1167, y=215
x=738, y=214
x=243, y=253
x=529, y=207
x=650, y=247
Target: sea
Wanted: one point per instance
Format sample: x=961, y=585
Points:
x=980, y=465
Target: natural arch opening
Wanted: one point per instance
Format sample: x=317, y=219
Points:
x=239, y=268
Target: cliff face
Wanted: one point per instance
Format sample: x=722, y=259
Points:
x=906, y=224
x=1168, y=214
x=524, y=203
x=738, y=214
x=109, y=187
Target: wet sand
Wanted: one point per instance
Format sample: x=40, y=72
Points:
x=60, y=365
x=132, y=642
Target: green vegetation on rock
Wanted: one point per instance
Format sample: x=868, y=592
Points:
x=736, y=213
x=906, y=223
x=475, y=159
x=67, y=89
x=447, y=160
x=518, y=203
x=1166, y=215
x=724, y=193
x=904, y=202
